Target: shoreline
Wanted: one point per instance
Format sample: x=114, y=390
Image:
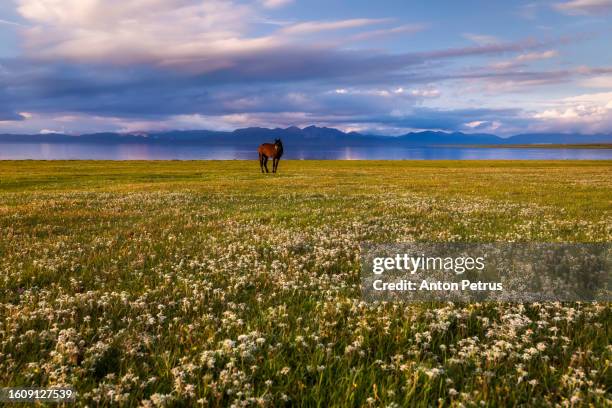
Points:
x=538, y=146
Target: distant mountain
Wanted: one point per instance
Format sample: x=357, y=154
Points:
x=558, y=138
x=311, y=137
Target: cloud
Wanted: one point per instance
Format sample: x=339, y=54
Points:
x=310, y=27
x=504, y=81
x=481, y=39
x=600, y=98
x=475, y=123
x=210, y=34
x=426, y=92
x=576, y=7
x=130, y=31
x=522, y=58
x=272, y=4
x=483, y=125
x=49, y=131
x=586, y=113
x=491, y=49
x=403, y=29
x=324, y=88
x=534, y=56
x=604, y=81
x=9, y=116
x=398, y=92
x=203, y=36
x=422, y=118
x=157, y=64
x=11, y=23
x=455, y=119
x=276, y=65
x=215, y=38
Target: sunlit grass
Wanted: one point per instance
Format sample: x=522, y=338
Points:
x=209, y=283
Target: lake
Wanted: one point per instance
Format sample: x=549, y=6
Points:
x=89, y=151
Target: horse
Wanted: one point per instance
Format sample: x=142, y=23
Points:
x=267, y=150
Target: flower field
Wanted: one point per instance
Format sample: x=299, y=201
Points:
x=210, y=284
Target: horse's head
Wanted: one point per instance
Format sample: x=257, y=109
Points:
x=278, y=144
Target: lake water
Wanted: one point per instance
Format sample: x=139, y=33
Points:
x=74, y=151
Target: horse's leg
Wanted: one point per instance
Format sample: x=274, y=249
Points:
x=274, y=161
x=261, y=162
x=277, y=161
x=266, y=163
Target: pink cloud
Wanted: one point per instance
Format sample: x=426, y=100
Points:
x=575, y=7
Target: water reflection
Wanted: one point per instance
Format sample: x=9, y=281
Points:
x=75, y=151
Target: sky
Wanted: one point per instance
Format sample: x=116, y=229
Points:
x=383, y=67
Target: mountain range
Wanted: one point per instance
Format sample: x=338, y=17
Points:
x=309, y=137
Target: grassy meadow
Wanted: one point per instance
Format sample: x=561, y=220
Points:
x=211, y=284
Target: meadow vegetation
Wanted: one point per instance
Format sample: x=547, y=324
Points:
x=209, y=283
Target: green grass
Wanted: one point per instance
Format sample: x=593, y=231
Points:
x=210, y=283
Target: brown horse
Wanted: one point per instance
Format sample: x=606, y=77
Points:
x=267, y=150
